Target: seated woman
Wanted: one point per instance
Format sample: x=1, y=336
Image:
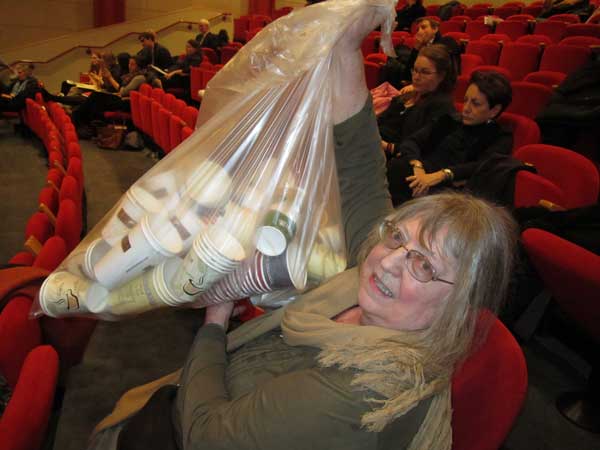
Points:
x=109, y=78
x=450, y=149
x=98, y=102
x=178, y=74
x=365, y=361
x=433, y=80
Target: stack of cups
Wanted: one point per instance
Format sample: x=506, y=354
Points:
x=147, y=244
x=258, y=275
x=134, y=205
x=83, y=262
x=148, y=291
x=64, y=294
x=213, y=255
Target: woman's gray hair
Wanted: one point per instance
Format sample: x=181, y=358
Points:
x=479, y=240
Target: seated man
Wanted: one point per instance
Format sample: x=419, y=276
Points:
x=152, y=53
x=24, y=86
x=205, y=37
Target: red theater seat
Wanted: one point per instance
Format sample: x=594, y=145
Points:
x=528, y=99
x=554, y=30
x=574, y=174
x=525, y=131
x=495, y=374
x=488, y=50
x=515, y=29
x=566, y=18
x=53, y=252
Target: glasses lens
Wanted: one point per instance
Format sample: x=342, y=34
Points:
x=390, y=236
x=419, y=266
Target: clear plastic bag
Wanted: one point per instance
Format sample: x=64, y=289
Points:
x=247, y=206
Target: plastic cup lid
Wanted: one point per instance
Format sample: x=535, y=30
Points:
x=271, y=241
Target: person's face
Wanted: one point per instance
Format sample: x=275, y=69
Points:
x=189, y=49
x=390, y=296
x=147, y=43
x=425, y=77
x=203, y=28
x=132, y=65
x=95, y=60
x=425, y=32
x=476, y=109
x=21, y=73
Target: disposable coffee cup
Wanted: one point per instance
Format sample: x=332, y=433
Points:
x=210, y=186
x=145, y=292
x=278, y=230
x=136, y=203
x=285, y=270
x=145, y=246
x=82, y=263
x=213, y=255
x=188, y=224
x=161, y=185
x=63, y=294
x=280, y=223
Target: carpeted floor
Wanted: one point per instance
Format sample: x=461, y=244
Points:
x=124, y=354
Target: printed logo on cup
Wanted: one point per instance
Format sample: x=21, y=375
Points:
x=127, y=220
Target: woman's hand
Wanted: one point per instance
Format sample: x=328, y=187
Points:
x=421, y=181
x=406, y=89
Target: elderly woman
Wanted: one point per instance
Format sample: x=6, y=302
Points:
x=433, y=80
x=364, y=361
x=450, y=149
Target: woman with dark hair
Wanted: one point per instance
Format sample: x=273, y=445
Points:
x=450, y=149
x=413, y=10
x=433, y=80
x=178, y=73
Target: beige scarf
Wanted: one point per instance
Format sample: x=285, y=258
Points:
x=388, y=361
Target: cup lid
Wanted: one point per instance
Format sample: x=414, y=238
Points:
x=271, y=241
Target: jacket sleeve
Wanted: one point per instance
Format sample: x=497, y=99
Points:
x=300, y=410
x=413, y=146
x=502, y=146
x=362, y=177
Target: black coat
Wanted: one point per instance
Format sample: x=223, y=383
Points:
x=157, y=55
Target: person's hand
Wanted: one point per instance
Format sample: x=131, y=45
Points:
x=219, y=314
x=421, y=181
x=406, y=90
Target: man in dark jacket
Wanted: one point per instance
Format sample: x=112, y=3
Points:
x=205, y=37
x=25, y=86
x=152, y=52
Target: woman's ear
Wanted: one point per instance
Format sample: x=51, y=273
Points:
x=495, y=111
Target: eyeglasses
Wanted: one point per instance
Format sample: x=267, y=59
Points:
x=418, y=265
x=423, y=72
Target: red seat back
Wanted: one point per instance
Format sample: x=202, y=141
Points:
x=514, y=29
x=566, y=18
x=495, y=374
x=477, y=29
x=554, y=30
x=576, y=175
x=564, y=58
x=583, y=29
x=525, y=131
x=570, y=273
x=488, y=50
x=528, y=99
x=520, y=58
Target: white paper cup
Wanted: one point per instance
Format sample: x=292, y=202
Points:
x=142, y=248
x=210, y=186
x=135, y=204
x=213, y=254
x=82, y=263
x=145, y=292
x=285, y=270
x=64, y=294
